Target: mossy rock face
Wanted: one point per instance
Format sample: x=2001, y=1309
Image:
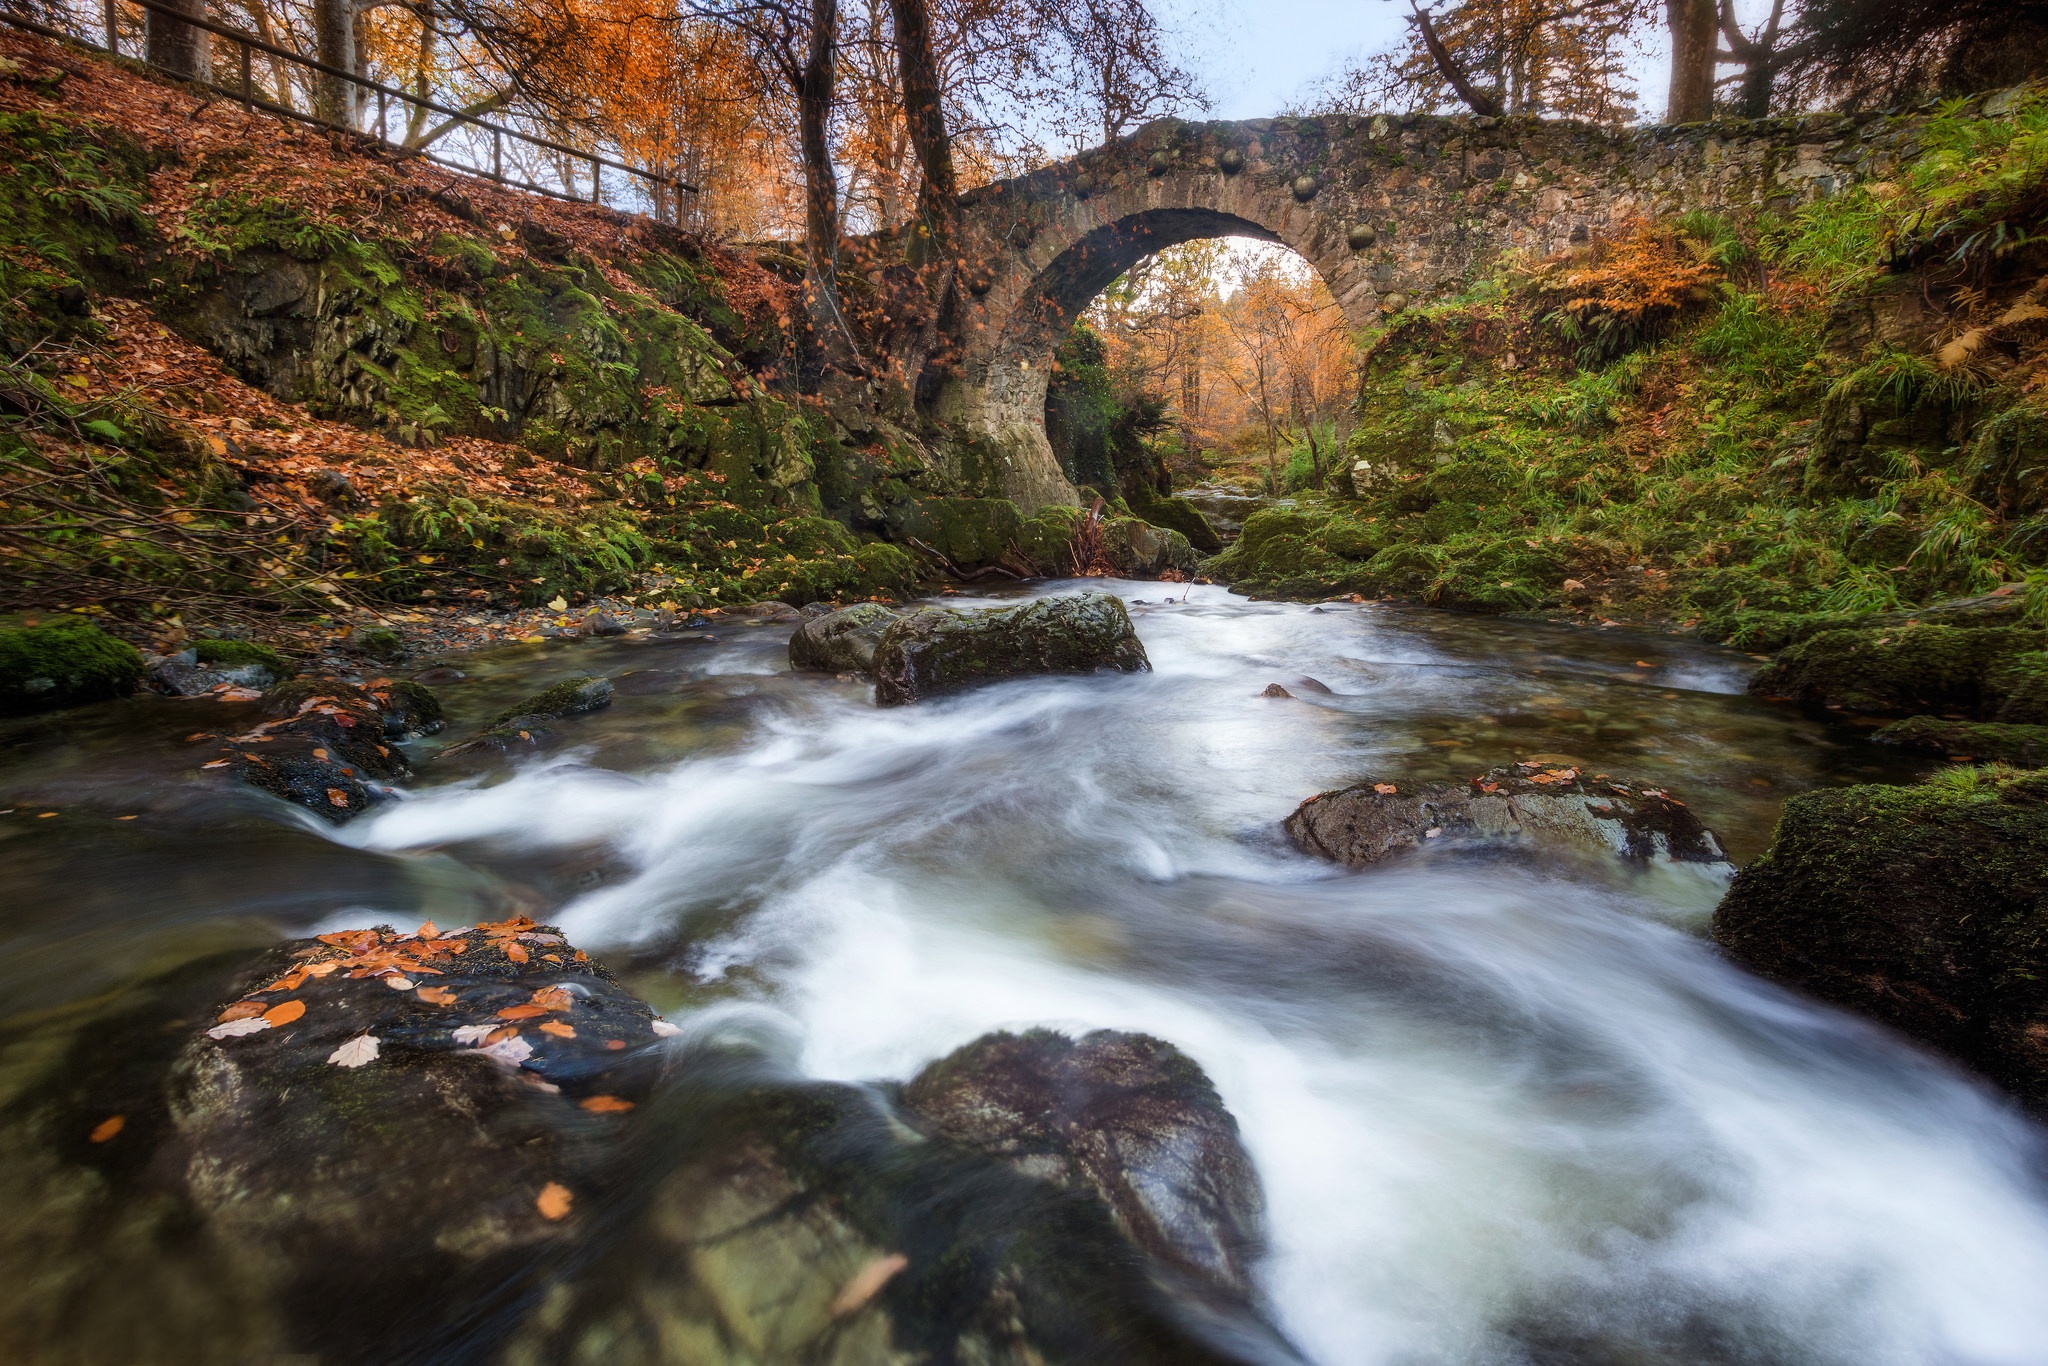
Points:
x=1915, y=667
x=969, y=532
x=1046, y=539
x=842, y=641
x=2020, y=685
x=1178, y=514
x=1987, y=741
x=935, y=651
x=1924, y=907
x=63, y=663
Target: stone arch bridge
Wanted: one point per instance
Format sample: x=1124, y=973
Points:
x=1388, y=209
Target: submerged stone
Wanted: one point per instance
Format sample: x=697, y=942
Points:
x=934, y=651
x=1923, y=907
x=522, y=723
x=1555, y=806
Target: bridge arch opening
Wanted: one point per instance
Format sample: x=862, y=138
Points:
x=1219, y=361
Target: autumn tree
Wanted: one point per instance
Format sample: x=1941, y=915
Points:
x=1557, y=57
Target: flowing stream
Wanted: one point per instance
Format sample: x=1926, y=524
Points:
x=1504, y=1111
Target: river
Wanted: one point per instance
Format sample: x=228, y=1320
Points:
x=1504, y=1111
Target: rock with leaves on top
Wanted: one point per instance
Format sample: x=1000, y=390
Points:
x=1553, y=806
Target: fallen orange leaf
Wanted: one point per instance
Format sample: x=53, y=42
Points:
x=554, y=1200
x=866, y=1283
x=516, y=952
x=605, y=1105
x=500, y=1034
x=525, y=1012
x=554, y=998
x=113, y=1124
x=437, y=996
x=284, y=1012
x=558, y=1029
x=615, y=1045
x=242, y=1010
x=336, y=797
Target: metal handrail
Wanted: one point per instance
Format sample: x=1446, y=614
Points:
x=252, y=100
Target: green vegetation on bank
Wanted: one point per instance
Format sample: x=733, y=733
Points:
x=1747, y=426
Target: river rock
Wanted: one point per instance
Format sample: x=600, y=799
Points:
x=843, y=641
x=1913, y=667
x=375, y=1104
x=527, y=721
x=63, y=662
x=1924, y=907
x=934, y=651
x=1126, y=1116
x=327, y=745
x=1528, y=803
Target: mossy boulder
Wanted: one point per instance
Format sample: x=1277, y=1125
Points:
x=526, y=724
x=842, y=641
x=380, y=643
x=1917, y=667
x=1923, y=907
x=1532, y=805
x=935, y=651
x=1986, y=741
x=1178, y=514
x=570, y=697
x=63, y=663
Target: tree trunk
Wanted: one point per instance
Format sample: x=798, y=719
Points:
x=925, y=114
x=815, y=87
x=177, y=47
x=1480, y=102
x=1695, y=28
x=334, y=42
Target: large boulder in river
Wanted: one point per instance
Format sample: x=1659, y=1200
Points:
x=375, y=1108
x=1924, y=907
x=843, y=641
x=934, y=650
x=1126, y=1116
x=1531, y=803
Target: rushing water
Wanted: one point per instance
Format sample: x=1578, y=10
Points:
x=1504, y=1111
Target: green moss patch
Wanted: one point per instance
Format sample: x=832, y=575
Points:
x=63, y=663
